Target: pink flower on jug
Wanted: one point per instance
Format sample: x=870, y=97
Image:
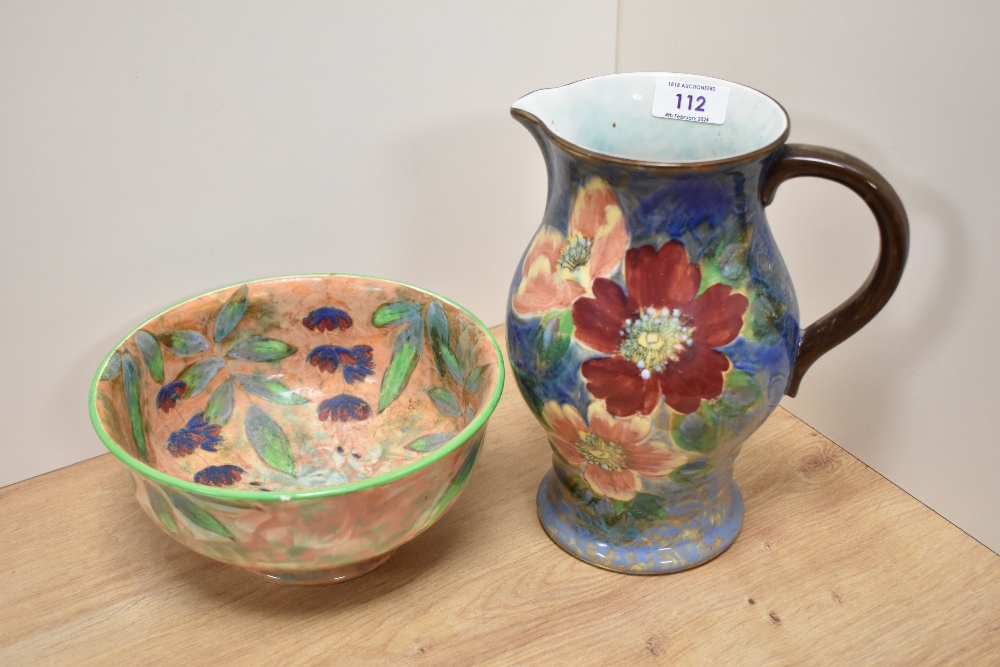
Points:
x=612, y=452
x=660, y=334
x=559, y=269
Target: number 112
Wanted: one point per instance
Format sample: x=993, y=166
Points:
x=701, y=102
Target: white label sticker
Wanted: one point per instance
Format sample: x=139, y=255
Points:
x=689, y=100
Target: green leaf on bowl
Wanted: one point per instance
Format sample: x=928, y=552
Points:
x=231, y=313
x=475, y=379
x=269, y=441
x=404, y=360
x=197, y=515
x=429, y=443
x=466, y=350
x=197, y=376
x=438, y=334
x=114, y=367
x=394, y=313
x=150, y=353
x=161, y=508
x=220, y=404
x=130, y=374
x=269, y=389
x=260, y=348
x=445, y=402
x=451, y=363
x=184, y=343
x=455, y=487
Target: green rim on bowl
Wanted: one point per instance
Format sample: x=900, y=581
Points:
x=148, y=471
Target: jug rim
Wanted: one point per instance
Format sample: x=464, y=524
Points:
x=528, y=118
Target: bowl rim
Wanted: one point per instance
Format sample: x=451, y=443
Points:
x=148, y=471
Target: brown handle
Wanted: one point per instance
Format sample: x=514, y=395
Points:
x=894, y=240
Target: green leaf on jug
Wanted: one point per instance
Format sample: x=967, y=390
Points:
x=696, y=432
x=184, y=343
x=114, y=367
x=394, y=313
x=197, y=515
x=764, y=312
x=150, y=354
x=161, y=508
x=260, y=348
x=475, y=379
x=646, y=506
x=220, y=404
x=429, y=443
x=741, y=392
x=269, y=440
x=554, y=339
x=404, y=360
x=733, y=261
x=197, y=376
x=269, y=389
x=130, y=374
x=231, y=313
x=694, y=471
x=445, y=402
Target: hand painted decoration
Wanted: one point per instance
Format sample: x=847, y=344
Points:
x=268, y=413
x=652, y=325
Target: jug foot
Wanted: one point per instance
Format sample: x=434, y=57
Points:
x=331, y=575
x=653, y=547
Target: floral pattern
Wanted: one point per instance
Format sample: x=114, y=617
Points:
x=357, y=362
x=559, y=268
x=648, y=338
x=662, y=334
x=612, y=453
x=342, y=408
x=224, y=475
x=197, y=433
x=222, y=392
x=328, y=318
x=244, y=365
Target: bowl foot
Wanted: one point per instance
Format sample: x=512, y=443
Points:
x=690, y=535
x=323, y=577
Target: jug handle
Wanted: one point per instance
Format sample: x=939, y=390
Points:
x=795, y=160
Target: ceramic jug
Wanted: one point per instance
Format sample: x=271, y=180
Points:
x=652, y=325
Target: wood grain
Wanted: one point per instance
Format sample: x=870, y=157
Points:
x=835, y=565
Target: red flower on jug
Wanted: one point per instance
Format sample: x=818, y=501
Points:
x=611, y=452
x=559, y=269
x=660, y=333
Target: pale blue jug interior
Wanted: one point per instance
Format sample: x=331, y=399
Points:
x=612, y=115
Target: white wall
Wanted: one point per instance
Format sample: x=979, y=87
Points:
x=913, y=88
x=150, y=151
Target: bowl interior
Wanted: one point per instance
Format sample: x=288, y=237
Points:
x=297, y=383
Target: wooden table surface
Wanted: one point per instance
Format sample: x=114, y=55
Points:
x=835, y=565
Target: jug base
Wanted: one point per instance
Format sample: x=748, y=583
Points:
x=669, y=545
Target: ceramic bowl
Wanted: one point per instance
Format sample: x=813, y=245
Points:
x=302, y=428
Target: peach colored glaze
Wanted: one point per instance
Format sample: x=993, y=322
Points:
x=326, y=384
